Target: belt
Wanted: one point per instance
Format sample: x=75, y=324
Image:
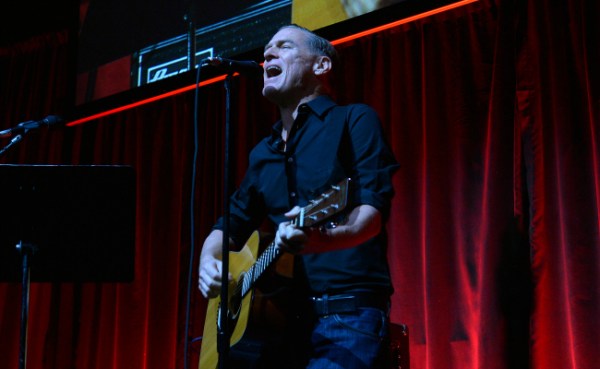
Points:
x=348, y=302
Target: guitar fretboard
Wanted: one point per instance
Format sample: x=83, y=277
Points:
x=251, y=276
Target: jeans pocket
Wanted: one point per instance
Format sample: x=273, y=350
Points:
x=367, y=321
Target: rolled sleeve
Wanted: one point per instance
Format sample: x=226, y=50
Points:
x=374, y=164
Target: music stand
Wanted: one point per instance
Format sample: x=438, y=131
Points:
x=65, y=223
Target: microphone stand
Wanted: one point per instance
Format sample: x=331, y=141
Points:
x=223, y=324
x=26, y=250
x=15, y=140
x=223, y=331
x=191, y=64
x=191, y=42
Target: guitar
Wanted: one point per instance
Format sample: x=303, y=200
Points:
x=246, y=270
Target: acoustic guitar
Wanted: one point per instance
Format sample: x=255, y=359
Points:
x=246, y=269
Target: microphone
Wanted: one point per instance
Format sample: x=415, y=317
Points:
x=248, y=67
x=50, y=120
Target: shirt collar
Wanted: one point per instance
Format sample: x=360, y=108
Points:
x=319, y=106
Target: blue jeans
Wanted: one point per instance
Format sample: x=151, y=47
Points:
x=350, y=341
x=357, y=340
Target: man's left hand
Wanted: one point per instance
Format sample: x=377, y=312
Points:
x=290, y=237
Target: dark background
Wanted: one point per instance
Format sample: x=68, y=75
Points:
x=20, y=20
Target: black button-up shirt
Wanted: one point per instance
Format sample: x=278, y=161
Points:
x=327, y=144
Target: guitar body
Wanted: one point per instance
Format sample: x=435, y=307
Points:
x=239, y=263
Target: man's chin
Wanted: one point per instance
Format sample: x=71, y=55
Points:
x=270, y=93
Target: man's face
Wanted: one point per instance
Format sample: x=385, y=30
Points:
x=288, y=67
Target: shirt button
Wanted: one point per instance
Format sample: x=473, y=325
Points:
x=290, y=160
x=292, y=194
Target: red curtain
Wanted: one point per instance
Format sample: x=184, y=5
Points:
x=492, y=110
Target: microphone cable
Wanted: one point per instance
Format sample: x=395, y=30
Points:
x=192, y=224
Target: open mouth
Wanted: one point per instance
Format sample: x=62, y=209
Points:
x=273, y=71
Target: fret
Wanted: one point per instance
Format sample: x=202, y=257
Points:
x=256, y=270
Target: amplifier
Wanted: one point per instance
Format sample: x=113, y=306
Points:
x=242, y=33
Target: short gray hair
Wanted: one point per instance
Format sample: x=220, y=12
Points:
x=318, y=44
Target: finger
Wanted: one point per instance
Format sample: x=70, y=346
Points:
x=209, y=278
x=278, y=242
x=209, y=287
x=204, y=286
x=289, y=238
x=280, y=238
x=203, y=289
x=293, y=212
x=219, y=274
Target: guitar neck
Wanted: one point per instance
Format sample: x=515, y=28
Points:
x=318, y=210
x=262, y=263
x=267, y=258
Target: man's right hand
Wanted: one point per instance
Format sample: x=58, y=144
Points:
x=210, y=277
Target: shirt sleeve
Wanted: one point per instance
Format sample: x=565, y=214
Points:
x=247, y=211
x=372, y=162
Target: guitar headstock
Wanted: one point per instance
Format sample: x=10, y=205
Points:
x=331, y=202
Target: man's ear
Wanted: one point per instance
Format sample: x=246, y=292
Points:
x=322, y=65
